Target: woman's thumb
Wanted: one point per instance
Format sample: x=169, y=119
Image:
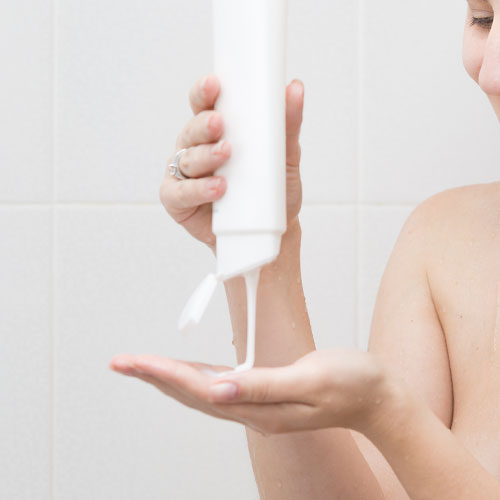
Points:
x=294, y=108
x=260, y=385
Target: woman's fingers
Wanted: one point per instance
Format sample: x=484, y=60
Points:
x=172, y=391
x=294, y=110
x=204, y=93
x=165, y=374
x=185, y=377
x=203, y=156
x=186, y=382
x=200, y=161
x=205, y=127
x=175, y=379
x=186, y=399
x=179, y=197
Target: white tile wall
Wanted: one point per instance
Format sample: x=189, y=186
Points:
x=328, y=262
x=123, y=275
x=91, y=265
x=26, y=100
x=123, y=74
x=25, y=353
x=322, y=52
x=425, y=126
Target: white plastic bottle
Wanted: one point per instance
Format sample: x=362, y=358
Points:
x=248, y=221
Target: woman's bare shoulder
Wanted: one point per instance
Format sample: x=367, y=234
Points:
x=452, y=212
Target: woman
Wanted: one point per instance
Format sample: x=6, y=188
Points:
x=414, y=417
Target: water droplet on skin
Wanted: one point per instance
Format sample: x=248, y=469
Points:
x=441, y=261
x=280, y=277
x=293, y=324
x=360, y=399
x=279, y=484
x=378, y=401
x=298, y=280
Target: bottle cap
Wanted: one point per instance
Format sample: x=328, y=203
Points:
x=238, y=253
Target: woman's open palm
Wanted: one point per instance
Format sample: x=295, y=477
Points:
x=325, y=388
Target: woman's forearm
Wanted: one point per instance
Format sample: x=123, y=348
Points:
x=283, y=332
x=317, y=465
x=428, y=459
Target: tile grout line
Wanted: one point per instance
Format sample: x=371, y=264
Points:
x=110, y=204
x=53, y=255
x=359, y=157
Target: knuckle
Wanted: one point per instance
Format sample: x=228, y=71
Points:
x=187, y=194
x=197, y=90
x=217, y=119
x=176, y=371
x=261, y=394
x=180, y=140
x=193, y=94
x=185, y=137
x=212, y=123
x=203, y=157
x=185, y=161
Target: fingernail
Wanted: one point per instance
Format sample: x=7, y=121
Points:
x=224, y=391
x=300, y=85
x=212, y=122
x=213, y=183
x=217, y=149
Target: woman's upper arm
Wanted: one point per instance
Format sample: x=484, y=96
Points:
x=406, y=333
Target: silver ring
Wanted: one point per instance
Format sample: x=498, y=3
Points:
x=174, y=166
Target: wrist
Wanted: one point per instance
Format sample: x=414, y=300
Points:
x=285, y=269
x=390, y=411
